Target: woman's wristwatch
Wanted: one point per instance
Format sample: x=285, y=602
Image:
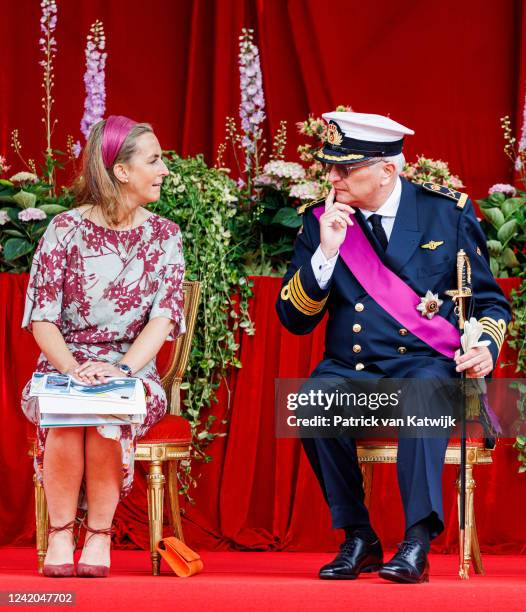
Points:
x=125, y=369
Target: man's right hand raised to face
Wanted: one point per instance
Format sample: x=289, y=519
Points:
x=333, y=225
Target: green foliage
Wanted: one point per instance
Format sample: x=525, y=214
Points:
x=504, y=222
x=517, y=341
x=203, y=202
x=19, y=238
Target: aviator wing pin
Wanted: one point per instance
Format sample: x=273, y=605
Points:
x=432, y=244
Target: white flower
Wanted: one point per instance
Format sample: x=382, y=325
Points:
x=24, y=177
x=265, y=180
x=471, y=336
x=429, y=304
x=283, y=169
x=31, y=214
x=227, y=196
x=4, y=217
x=306, y=191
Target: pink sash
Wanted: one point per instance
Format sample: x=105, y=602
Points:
x=392, y=293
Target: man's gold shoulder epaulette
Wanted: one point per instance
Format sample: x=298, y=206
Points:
x=304, y=207
x=460, y=198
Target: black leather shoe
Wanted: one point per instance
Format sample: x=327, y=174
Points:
x=409, y=565
x=355, y=556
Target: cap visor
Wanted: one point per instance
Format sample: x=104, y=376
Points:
x=328, y=155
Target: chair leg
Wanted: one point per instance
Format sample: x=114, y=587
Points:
x=41, y=520
x=155, y=480
x=367, y=473
x=466, y=544
x=173, y=496
x=475, y=547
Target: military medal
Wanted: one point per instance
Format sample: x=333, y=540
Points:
x=429, y=304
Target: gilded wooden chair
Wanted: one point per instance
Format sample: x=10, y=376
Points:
x=165, y=444
x=371, y=453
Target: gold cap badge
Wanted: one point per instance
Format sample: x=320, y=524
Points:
x=334, y=136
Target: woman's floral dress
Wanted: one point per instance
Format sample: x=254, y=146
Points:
x=100, y=287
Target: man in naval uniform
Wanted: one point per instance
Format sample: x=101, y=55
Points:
x=378, y=256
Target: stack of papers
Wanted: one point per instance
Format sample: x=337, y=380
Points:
x=67, y=402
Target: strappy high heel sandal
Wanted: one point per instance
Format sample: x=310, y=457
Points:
x=62, y=570
x=87, y=570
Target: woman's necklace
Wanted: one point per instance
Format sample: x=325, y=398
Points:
x=123, y=246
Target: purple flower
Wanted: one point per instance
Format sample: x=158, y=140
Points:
x=31, y=214
x=503, y=188
x=76, y=149
x=522, y=141
x=94, y=77
x=48, y=23
x=251, y=109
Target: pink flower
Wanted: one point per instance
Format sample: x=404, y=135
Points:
x=31, y=214
x=4, y=217
x=3, y=164
x=504, y=188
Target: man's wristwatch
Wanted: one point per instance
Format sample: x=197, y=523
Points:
x=125, y=369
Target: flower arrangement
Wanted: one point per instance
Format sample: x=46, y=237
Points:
x=204, y=202
x=27, y=210
x=425, y=169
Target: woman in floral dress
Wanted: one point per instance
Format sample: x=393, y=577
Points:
x=104, y=294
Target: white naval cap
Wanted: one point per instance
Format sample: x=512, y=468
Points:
x=355, y=137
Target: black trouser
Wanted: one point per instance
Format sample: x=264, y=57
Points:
x=419, y=463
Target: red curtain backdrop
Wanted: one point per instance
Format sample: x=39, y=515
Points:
x=447, y=69
x=259, y=492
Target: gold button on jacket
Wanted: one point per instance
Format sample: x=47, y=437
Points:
x=403, y=331
x=359, y=307
x=402, y=350
x=359, y=366
x=356, y=328
x=356, y=348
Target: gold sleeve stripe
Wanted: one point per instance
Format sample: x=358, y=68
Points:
x=296, y=281
x=294, y=292
x=300, y=299
x=495, y=329
x=300, y=303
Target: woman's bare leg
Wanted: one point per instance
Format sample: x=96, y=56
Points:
x=103, y=486
x=63, y=471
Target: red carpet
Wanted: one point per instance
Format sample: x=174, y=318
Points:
x=272, y=581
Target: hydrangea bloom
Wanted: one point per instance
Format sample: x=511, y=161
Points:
x=4, y=217
x=95, y=102
x=283, y=169
x=24, y=177
x=31, y=214
x=306, y=191
x=503, y=188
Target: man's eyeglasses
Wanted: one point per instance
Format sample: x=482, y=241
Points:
x=344, y=170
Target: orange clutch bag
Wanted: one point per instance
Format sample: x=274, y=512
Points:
x=183, y=560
